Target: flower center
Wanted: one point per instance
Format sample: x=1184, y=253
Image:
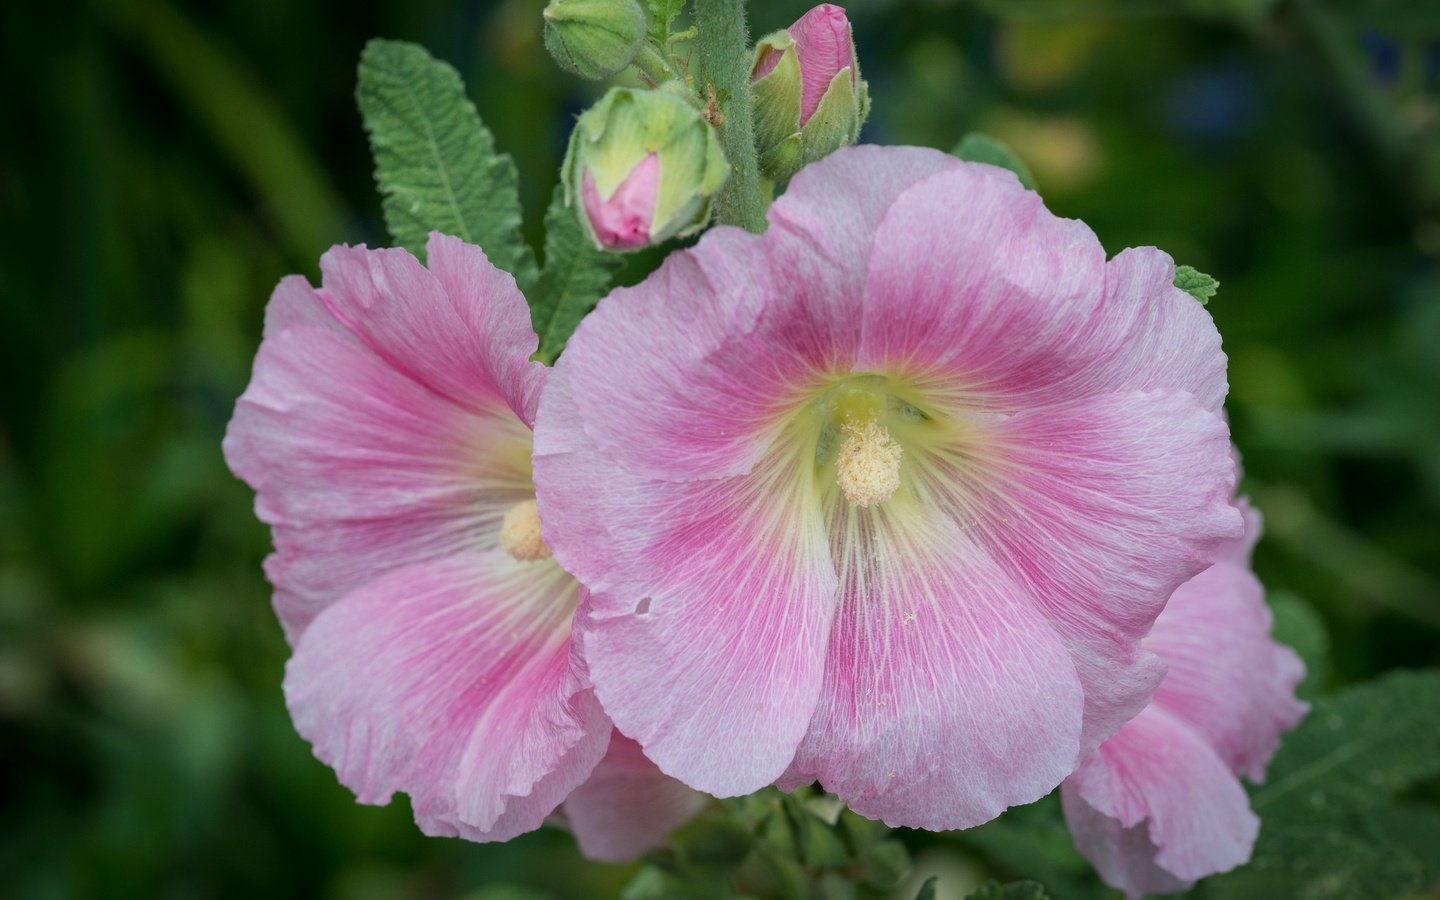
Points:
x=520, y=533
x=867, y=467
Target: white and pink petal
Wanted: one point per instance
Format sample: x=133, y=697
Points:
x=452, y=682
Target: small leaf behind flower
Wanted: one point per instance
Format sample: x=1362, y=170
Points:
x=435, y=162
x=575, y=276
x=1015, y=890
x=982, y=148
x=1196, y=283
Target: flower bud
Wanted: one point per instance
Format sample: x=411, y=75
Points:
x=809, y=98
x=594, y=38
x=642, y=167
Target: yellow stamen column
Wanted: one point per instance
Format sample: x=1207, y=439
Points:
x=520, y=533
x=867, y=468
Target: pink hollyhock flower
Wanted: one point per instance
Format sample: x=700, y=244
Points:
x=1160, y=805
x=386, y=431
x=888, y=496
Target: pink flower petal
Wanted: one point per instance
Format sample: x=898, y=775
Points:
x=1226, y=676
x=1104, y=508
x=622, y=220
x=633, y=404
x=948, y=697
x=1021, y=305
x=1158, y=774
x=1159, y=804
x=460, y=329
x=719, y=365
x=711, y=603
x=452, y=682
x=628, y=806
x=824, y=47
x=360, y=470
x=380, y=426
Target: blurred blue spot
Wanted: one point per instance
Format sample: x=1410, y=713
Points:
x=1214, y=105
x=1383, y=53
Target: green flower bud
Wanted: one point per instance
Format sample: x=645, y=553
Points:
x=642, y=168
x=594, y=38
x=809, y=98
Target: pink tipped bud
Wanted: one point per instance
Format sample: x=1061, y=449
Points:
x=622, y=220
x=824, y=47
x=809, y=98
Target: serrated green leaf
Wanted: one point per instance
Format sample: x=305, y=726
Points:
x=1411, y=827
x=1356, y=749
x=927, y=890
x=982, y=148
x=1196, y=283
x=575, y=277
x=435, y=162
x=1328, y=816
x=1015, y=890
x=1318, y=864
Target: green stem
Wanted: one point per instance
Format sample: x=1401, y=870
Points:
x=724, y=72
x=653, y=63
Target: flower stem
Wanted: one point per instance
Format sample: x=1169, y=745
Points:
x=724, y=81
x=653, y=64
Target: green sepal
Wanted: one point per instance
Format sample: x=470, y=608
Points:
x=836, y=121
x=778, y=94
x=783, y=159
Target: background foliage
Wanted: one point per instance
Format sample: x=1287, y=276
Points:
x=167, y=161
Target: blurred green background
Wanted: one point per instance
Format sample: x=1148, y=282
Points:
x=166, y=161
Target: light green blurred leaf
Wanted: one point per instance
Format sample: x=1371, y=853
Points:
x=435, y=162
x=982, y=148
x=1300, y=627
x=575, y=276
x=1015, y=890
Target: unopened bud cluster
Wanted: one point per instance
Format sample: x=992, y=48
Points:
x=643, y=165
